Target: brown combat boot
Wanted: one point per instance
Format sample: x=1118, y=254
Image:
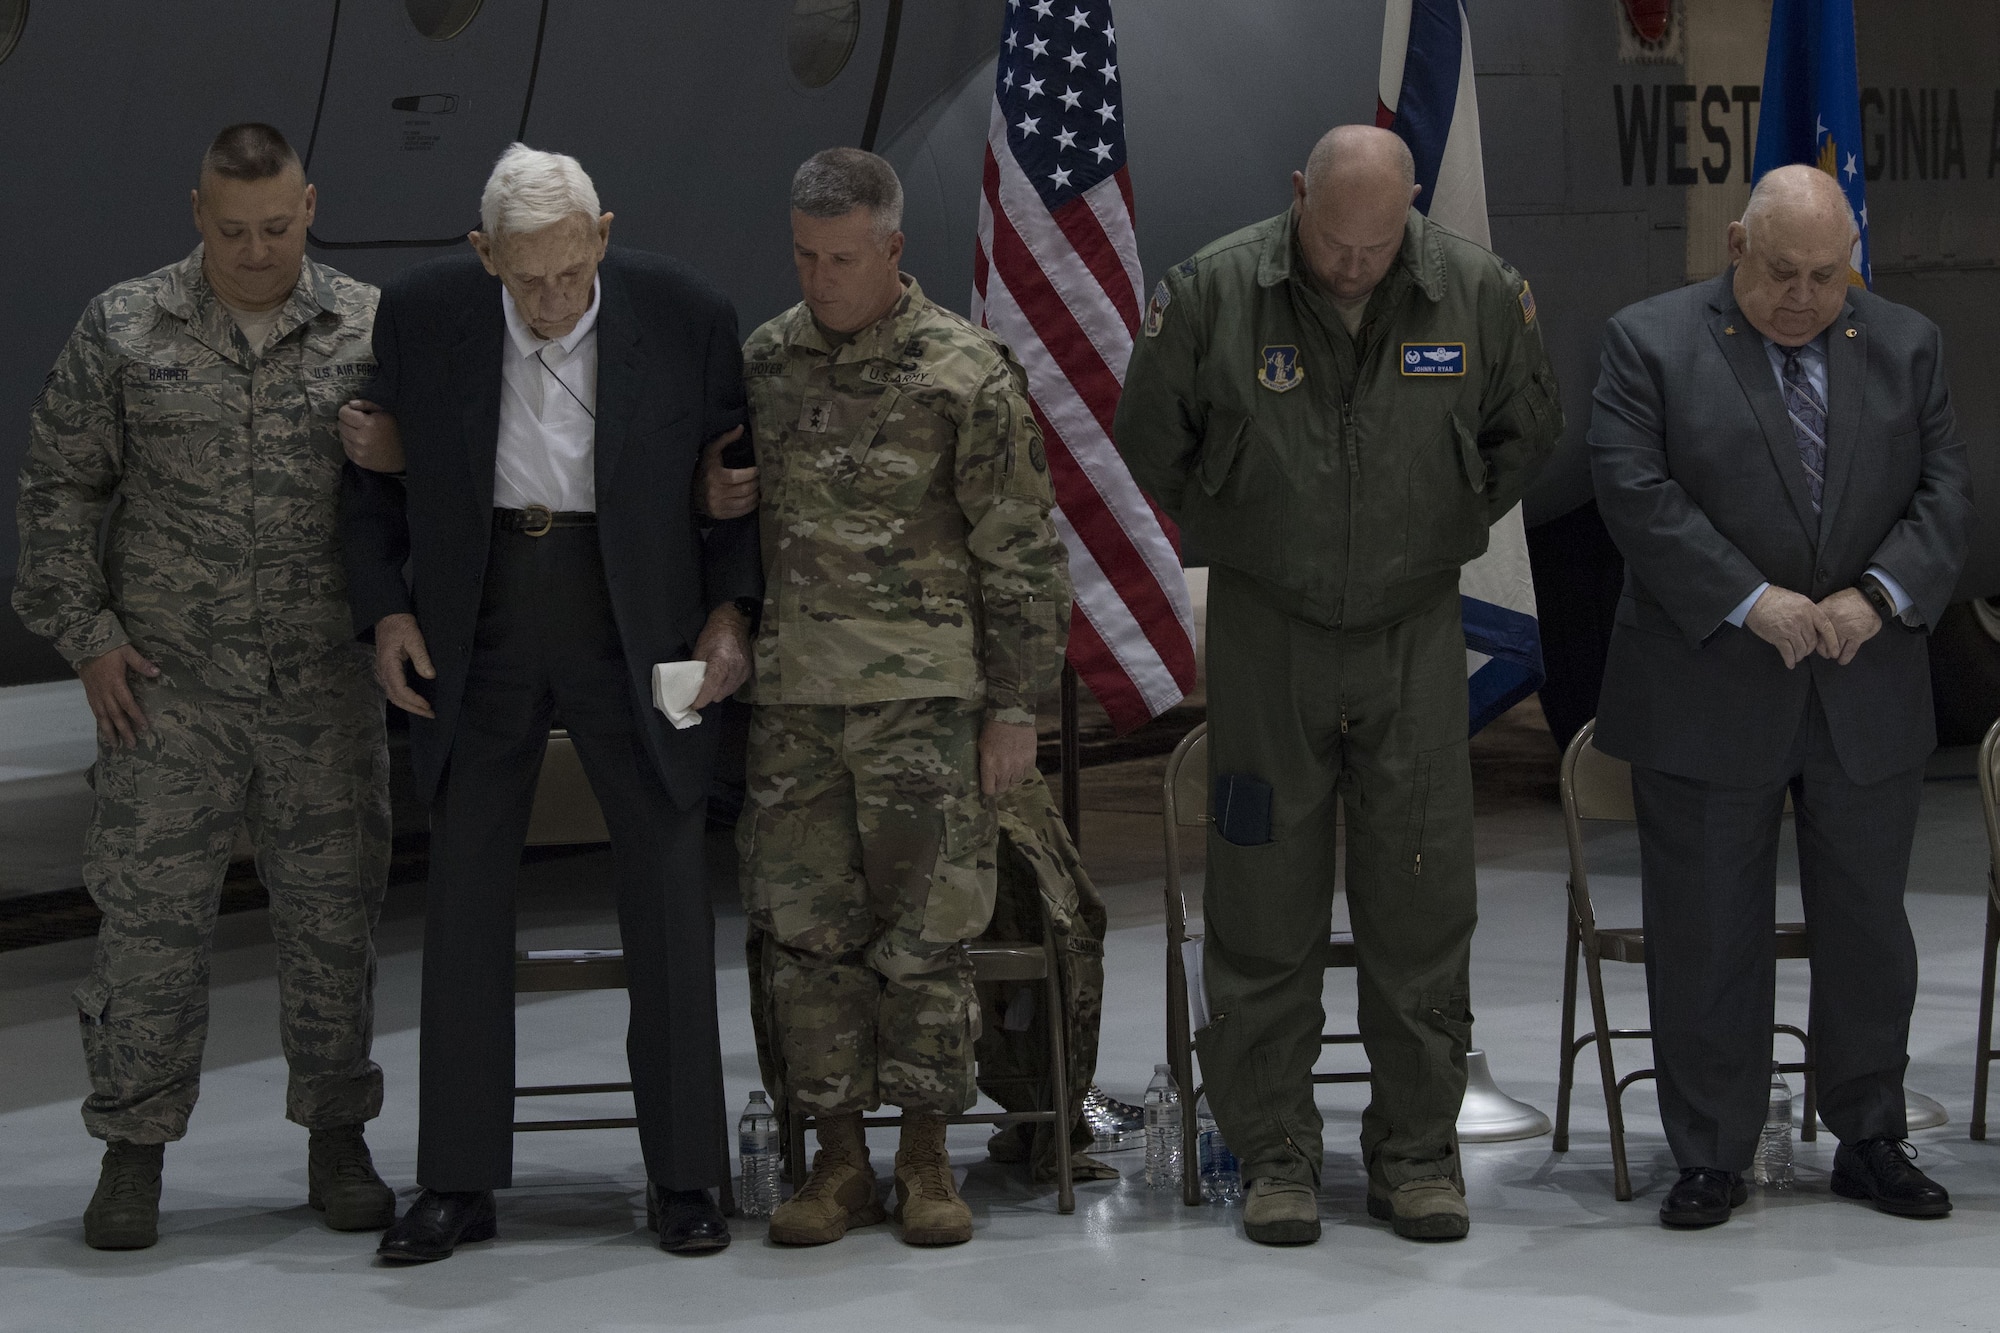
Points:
x=838, y=1195
x=927, y=1204
x=341, y=1181
x=124, y=1213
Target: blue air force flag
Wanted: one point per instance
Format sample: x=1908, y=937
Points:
x=1811, y=110
x=1427, y=97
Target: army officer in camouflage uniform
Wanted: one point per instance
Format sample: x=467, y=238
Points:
x=213, y=642
x=916, y=604
x=1336, y=404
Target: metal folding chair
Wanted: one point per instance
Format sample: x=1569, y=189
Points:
x=1989, y=794
x=1184, y=803
x=1596, y=786
x=565, y=813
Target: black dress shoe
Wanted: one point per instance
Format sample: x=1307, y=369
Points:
x=1881, y=1170
x=688, y=1220
x=438, y=1223
x=1702, y=1197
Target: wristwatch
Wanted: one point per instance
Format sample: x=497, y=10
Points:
x=1878, y=597
x=752, y=609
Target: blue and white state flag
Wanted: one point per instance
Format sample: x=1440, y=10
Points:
x=1811, y=109
x=1427, y=97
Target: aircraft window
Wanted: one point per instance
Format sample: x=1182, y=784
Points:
x=13, y=18
x=439, y=20
x=821, y=39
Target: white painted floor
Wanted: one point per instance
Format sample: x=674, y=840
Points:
x=1549, y=1249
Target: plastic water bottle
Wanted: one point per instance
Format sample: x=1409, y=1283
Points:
x=1772, y=1167
x=757, y=1150
x=1221, y=1182
x=1163, y=1130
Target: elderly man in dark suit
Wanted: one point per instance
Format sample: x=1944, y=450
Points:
x=553, y=399
x=1775, y=455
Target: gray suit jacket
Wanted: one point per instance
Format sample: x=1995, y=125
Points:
x=1699, y=481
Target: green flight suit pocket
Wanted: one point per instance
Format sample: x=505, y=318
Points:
x=1421, y=775
x=1445, y=518
x=966, y=878
x=1238, y=509
x=1469, y=456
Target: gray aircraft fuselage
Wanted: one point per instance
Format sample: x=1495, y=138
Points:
x=691, y=116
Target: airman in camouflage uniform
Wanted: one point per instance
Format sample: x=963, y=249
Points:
x=220, y=589
x=916, y=604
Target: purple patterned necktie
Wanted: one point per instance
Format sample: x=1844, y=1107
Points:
x=1808, y=414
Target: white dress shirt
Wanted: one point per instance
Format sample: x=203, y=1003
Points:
x=548, y=427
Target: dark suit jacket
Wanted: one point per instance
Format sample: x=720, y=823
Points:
x=1699, y=480
x=669, y=378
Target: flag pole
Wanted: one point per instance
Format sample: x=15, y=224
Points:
x=1071, y=750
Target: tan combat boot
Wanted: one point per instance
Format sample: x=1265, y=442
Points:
x=927, y=1204
x=1280, y=1212
x=838, y=1195
x=341, y=1181
x=124, y=1213
x=1432, y=1208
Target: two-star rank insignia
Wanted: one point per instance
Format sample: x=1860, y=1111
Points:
x=816, y=416
x=1280, y=371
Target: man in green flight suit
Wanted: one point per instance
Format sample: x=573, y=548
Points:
x=1336, y=404
x=916, y=604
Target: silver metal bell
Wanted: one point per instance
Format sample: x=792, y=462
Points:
x=1488, y=1115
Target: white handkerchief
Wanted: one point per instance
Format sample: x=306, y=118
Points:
x=675, y=684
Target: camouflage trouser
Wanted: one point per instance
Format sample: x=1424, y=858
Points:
x=868, y=862
x=307, y=776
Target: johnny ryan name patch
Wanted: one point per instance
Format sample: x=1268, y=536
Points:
x=1433, y=358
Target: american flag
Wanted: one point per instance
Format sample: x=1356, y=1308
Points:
x=1057, y=276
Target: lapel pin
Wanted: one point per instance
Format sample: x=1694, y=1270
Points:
x=1854, y=333
x=1729, y=329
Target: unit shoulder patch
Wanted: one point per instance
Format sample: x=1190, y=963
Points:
x=1156, y=308
x=1433, y=358
x=1278, y=368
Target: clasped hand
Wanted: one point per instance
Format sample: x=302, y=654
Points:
x=1797, y=626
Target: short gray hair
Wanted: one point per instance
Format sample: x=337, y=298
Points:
x=835, y=181
x=530, y=190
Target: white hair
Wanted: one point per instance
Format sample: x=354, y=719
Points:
x=530, y=190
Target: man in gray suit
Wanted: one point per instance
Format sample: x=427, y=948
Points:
x=1775, y=455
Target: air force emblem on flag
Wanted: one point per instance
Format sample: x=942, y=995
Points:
x=1280, y=371
x=1433, y=358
